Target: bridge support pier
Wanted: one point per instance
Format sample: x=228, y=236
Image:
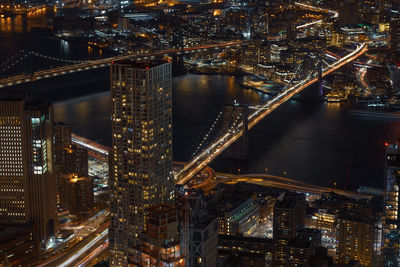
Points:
x=233, y=115
x=178, y=66
x=28, y=65
x=320, y=92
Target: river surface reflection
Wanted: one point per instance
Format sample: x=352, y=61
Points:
x=312, y=142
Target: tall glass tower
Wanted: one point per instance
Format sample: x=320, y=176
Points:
x=27, y=181
x=141, y=158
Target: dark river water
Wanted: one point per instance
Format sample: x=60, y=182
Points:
x=312, y=142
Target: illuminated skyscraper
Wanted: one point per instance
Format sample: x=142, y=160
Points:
x=394, y=34
x=141, y=159
x=62, y=135
x=160, y=244
x=289, y=217
x=79, y=197
x=391, y=211
x=27, y=184
x=349, y=13
x=355, y=237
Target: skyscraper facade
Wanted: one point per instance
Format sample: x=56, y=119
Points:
x=74, y=187
x=159, y=243
x=391, y=210
x=141, y=158
x=355, y=238
x=27, y=184
x=62, y=135
x=289, y=217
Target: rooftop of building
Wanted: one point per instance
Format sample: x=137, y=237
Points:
x=160, y=208
x=8, y=96
x=355, y=216
x=289, y=201
x=242, y=238
x=10, y=232
x=61, y=124
x=204, y=222
x=141, y=64
x=19, y=96
x=309, y=231
x=299, y=243
x=231, y=203
x=244, y=213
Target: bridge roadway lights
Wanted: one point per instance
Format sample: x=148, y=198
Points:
x=81, y=68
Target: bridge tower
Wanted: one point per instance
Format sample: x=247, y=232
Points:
x=232, y=116
x=320, y=92
x=28, y=65
x=290, y=27
x=177, y=59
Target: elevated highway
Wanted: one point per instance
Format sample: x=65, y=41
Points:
x=287, y=184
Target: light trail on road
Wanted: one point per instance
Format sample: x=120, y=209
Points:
x=84, y=250
x=93, y=254
x=319, y=9
x=288, y=184
x=38, y=75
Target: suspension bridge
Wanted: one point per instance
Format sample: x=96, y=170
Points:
x=233, y=133
x=78, y=65
x=210, y=149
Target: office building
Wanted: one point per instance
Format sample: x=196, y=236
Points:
x=289, y=217
x=239, y=215
x=17, y=244
x=199, y=232
x=79, y=197
x=239, y=250
x=394, y=34
x=349, y=13
x=324, y=220
x=62, y=135
x=391, y=211
x=159, y=244
x=28, y=185
x=298, y=253
x=141, y=158
x=355, y=238
x=299, y=249
x=321, y=258
x=70, y=162
x=69, y=158
x=394, y=70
